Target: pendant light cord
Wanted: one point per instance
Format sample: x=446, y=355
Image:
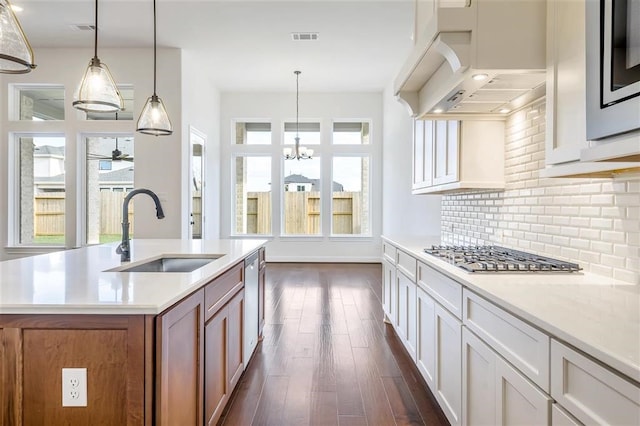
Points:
x=297, y=100
x=95, y=40
x=154, y=47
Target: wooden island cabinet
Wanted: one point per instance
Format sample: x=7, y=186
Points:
x=178, y=367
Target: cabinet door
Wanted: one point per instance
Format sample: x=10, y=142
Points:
x=235, y=361
x=425, y=349
x=216, y=373
x=261, y=300
x=412, y=319
x=448, y=333
x=388, y=286
x=566, y=65
x=445, y=152
x=180, y=368
x=478, y=381
x=402, y=323
x=518, y=400
x=422, y=154
x=407, y=313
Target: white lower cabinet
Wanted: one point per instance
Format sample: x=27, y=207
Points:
x=591, y=392
x=494, y=392
x=407, y=324
x=439, y=354
x=389, y=291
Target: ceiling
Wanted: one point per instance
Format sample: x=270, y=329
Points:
x=242, y=45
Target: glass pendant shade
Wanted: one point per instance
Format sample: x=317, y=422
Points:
x=98, y=92
x=16, y=56
x=154, y=119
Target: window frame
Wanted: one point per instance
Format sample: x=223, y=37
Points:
x=326, y=150
x=14, y=191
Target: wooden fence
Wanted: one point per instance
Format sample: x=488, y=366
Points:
x=49, y=214
x=302, y=213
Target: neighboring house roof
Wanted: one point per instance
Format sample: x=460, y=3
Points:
x=49, y=150
x=296, y=178
x=121, y=175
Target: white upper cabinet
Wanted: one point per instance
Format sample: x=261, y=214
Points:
x=568, y=151
x=450, y=155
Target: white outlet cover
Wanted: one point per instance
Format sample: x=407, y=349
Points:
x=74, y=387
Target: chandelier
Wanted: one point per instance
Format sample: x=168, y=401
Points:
x=297, y=152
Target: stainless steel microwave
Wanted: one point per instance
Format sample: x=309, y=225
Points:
x=613, y=67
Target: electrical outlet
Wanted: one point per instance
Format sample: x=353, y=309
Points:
x=74, y=387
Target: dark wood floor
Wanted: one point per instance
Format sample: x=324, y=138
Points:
x=327, y=358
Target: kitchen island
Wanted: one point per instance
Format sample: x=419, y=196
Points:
x=158, y=347
x=567, y=343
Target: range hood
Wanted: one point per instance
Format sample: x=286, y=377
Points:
x=483, y=59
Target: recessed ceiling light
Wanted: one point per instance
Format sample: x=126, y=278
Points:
x=438, y=110
x=480, y=77
x=16, y=8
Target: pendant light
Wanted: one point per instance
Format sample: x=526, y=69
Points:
x=16, y=56
x=98, y=91
x=154, y=119
x=298, y=152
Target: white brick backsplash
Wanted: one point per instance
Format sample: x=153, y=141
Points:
x=594, y=222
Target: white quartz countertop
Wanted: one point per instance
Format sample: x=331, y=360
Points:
x=76, y=282
x=597, y=315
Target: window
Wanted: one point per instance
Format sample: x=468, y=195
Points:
x=41, y=189
x=350, y=196
x=309, y=133
x=347, y=133
x=301, y=197
x=327, y=195
x=39, y=103
x=106, y=187
x=252, y=195
x=253, y=133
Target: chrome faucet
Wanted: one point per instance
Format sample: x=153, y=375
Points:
x=123, y=249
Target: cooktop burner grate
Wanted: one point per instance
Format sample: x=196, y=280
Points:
x=499, y=259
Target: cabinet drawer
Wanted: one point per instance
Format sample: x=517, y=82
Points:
x=591, y=392
x=442, y=288
x=407, y=264
x=389, y=252
x=221, y=289
x=559, y=417
x=525, y=347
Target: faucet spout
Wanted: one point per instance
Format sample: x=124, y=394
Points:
x=123, y=249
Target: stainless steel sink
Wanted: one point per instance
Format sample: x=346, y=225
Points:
x=171, y=263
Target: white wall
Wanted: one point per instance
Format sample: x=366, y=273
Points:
x=201, y=109
x=158, y=159
x=324, y=107
x=402, y=212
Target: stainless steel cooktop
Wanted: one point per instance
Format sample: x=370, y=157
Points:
x=499, y=259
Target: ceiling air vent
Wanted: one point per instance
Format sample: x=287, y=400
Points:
x=304, y=36
x=83, y=27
